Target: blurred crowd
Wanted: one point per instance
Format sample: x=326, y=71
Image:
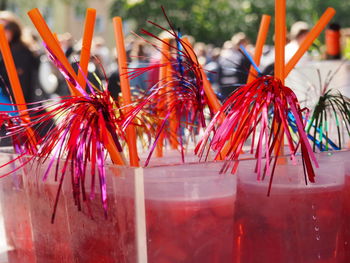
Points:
x=227, y=67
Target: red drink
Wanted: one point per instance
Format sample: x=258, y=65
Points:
x=190, y=231
x=96, y=238
x=189, y=214
x=346, y=222
x=17, y=220
x=16, y=213
x=52, y=241
x=297, y=223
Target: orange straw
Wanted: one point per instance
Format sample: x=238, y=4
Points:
x=52, y=43
x=125, y=88
x=86, y=46
x=309, y=39
x=260, y=42
x=173, y=121
x=280, y=42
x=213, y=101
x=55, y=47
x=162, y=81
x=11, y=70
x=280, y=38
x=14, y=81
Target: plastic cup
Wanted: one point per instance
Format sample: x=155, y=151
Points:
x=189, y=213
x=297, y=222
x=100, y=237
x=52, y=241
x=19, y=245
x=346, y=223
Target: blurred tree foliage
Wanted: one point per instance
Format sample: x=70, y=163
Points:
x=214, y=21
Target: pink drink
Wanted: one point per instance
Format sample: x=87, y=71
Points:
x=96, y=238
x=52, y=241
x=297, y=223
x=16, y=213
x=346, y=222
x=180, y=231
x=189, y=214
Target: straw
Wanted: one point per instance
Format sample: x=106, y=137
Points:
x=52, y=43
x=165, y=52
x=54, y=47
x=14, y=82
x=280, y=38
x=311, y=36
x=173, y=119
x=260, y=42
x=213, y=101
x=86, y=46
x=140, y=216
x=11, y=71
x=125, y=88
x=280, y=42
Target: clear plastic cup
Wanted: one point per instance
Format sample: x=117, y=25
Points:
x=52, y=241
x=297, y=222
x=18, y=245
x=189, y=213
x=99, y=237
x=346, y=223
x=188, y=216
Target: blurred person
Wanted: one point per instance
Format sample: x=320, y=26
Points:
x=209, y=50
x=298, y=32
x=213, y=69
x=201, y=51
x=32, y=39
x=113, y=82
x=100, y=50
x=234, y=65
x=55, y=81
x=66, y=42
x=26, y=63
x=296, y=36
x=130, y=41
x=139, y=59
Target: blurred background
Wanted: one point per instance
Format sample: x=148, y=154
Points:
x=208, y=21
x=216, y=29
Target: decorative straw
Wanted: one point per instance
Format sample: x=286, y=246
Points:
x=14, y=81
x=260, y=42
x=311, y=36
x=86, y=46
x=280, y=42
x=165, y=52
x=125, y=88
x=52, y=43
x=55, y=48
x=280, y=38
x=173, y=119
